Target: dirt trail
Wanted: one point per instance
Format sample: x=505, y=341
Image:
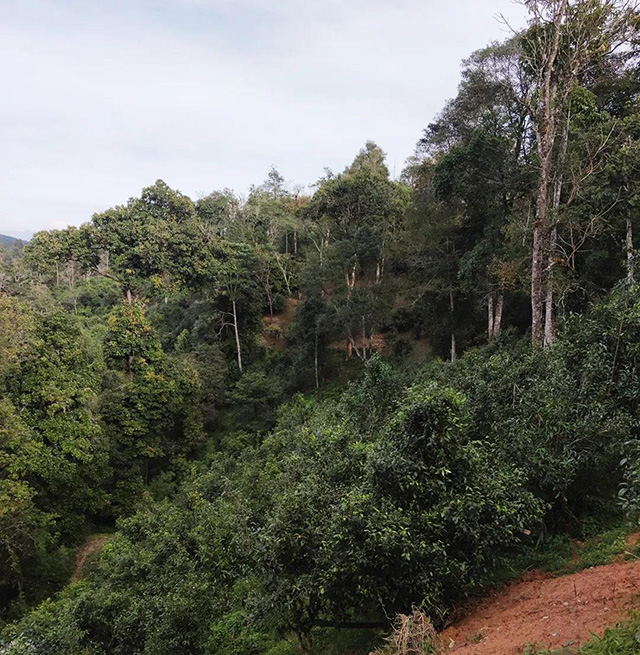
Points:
x=558, y=612
x=92, y=545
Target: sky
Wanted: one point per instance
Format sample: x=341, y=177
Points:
x=103, y=97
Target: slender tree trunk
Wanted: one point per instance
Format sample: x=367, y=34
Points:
x=497, y=319
x=454, y=354
x=537, y=258
x=129, y=297
x=549, y=314
x=295, y=242
x=57, y=274
x=237, y=335
x=490, y=321
x=546, y=131
x=630, y=262
x=550, y=319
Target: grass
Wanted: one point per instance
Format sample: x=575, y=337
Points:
x=561, y=555
x=622, y=639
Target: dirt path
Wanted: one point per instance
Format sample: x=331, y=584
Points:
x=558, y=612
x=92, y=545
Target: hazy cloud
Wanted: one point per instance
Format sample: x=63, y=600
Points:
x=101, y=99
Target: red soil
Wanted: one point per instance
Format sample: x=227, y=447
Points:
x=557, y=612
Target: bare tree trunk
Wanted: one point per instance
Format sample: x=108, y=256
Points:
x=350, y=279
x=490, y=321
x=497, y=319
x=129, y=297
x=295, y=242
x=549, y=319
x=285, y=276
x=454, y=355
x=545, y=125
x=630, y=256
x=537, y=255
x=549, y=314
x=237, y=335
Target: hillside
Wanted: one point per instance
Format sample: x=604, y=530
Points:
x=284, y=422
x=12, y=242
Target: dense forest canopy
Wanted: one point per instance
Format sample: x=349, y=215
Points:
x=299, y=412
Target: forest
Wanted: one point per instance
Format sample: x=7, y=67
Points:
x=290, y=416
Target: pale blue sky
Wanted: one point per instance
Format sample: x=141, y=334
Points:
x=103, y=97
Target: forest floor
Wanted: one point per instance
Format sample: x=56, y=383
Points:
x=92, y=546
x=543, y=609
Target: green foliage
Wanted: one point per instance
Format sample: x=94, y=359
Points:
x=130, y=343
x=146, y=357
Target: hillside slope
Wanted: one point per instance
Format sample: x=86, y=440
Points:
x=555, y=612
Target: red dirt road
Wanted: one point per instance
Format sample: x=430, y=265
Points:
x=559, y=613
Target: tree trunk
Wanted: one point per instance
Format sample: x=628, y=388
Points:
x=454, y=355
x=537, y=261
x=237, y=335
x=305, y=642
x=549, y=317
x=545, y=125
x=630, y=262
x=295, y=242
x=490, y=321
x=129, y=297
x=497, y=319
x=550, y=320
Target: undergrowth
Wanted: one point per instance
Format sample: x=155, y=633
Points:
x=563, y=555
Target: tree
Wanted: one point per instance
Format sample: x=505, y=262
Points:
x=563, y=38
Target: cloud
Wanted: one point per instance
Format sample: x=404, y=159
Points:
x=104, y=98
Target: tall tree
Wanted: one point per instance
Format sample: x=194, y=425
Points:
x=563, y=38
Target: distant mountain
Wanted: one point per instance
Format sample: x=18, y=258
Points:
x=10, y=241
